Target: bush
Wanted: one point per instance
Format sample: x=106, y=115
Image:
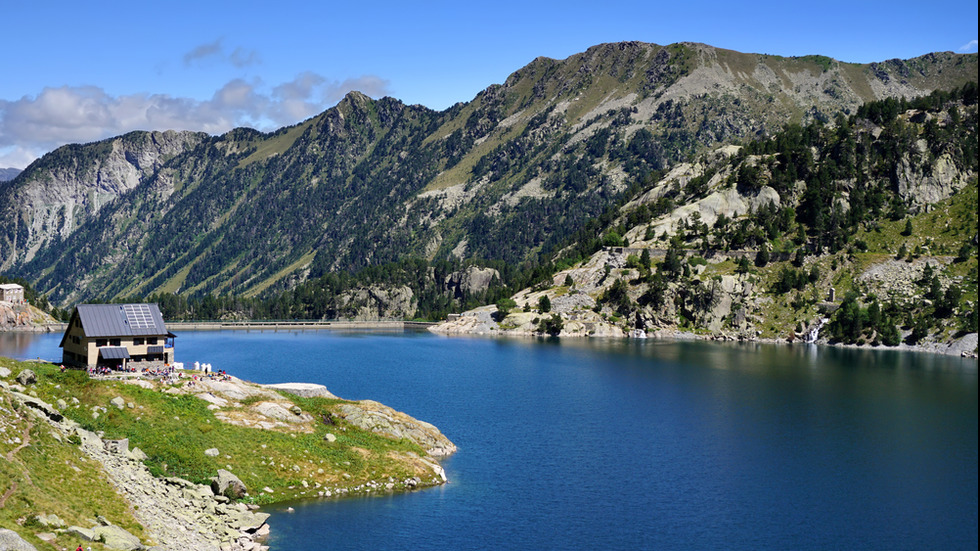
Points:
x=505, y=305
x=612, y=239
x=552, y=326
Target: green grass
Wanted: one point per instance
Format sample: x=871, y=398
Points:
x=51, y=476
x=175, y=430
x=943, y=229
x=276, y=145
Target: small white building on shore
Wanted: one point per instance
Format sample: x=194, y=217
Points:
x=12, y=293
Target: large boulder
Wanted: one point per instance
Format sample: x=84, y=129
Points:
x=27, y=377
x=282, y=412
x=381, y=419
x=303, y=390
x=10, y=540
x=40, y=405
x=82, y=533
x=115, y=537
x=228, y=485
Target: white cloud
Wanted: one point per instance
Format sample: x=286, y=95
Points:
x=970, y=46
x=239, y=57
x=16, y=157
x=368, y=84
x=203, y=51
x=34, y=125
x=244, y=58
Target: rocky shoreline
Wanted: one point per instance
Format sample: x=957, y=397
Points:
x=177, y=513
x=480, y=322
x=180, y=514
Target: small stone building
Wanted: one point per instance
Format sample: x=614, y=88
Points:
x=11, y=292
x=117, y=336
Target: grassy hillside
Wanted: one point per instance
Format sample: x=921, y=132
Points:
x=44, y=468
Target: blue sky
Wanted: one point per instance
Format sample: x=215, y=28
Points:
x=83, y=71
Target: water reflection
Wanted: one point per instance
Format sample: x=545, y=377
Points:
x=29, y=346
x=618, y=444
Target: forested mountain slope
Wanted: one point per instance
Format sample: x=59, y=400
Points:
x=865, y=228
x=504, y=178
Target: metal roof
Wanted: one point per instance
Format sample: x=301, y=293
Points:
x=114, y=352
x=121, y=320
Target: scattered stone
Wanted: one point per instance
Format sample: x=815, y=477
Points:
x=4, y=372
x=120, y=447
x=212, y=452
x=296, y=410
x=50, y=521
x=329, y=437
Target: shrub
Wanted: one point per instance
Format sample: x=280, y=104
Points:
x=552, y=326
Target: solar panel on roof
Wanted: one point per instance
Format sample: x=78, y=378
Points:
x=138, y=316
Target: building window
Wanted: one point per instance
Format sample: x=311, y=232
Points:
x=100, y=342
x=137, y=341
x=151, y=340
x=114, y=342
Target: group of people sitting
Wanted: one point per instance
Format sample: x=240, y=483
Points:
x=220, y=375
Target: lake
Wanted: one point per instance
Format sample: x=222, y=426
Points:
x=635, y=444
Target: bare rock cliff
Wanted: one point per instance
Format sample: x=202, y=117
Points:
x=55, y=195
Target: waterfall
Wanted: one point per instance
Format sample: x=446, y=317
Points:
x=813, y=333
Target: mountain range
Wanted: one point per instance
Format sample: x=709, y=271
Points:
x=8, y=173
x=502, y=180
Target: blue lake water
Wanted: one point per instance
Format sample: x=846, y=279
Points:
x=619, y=444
